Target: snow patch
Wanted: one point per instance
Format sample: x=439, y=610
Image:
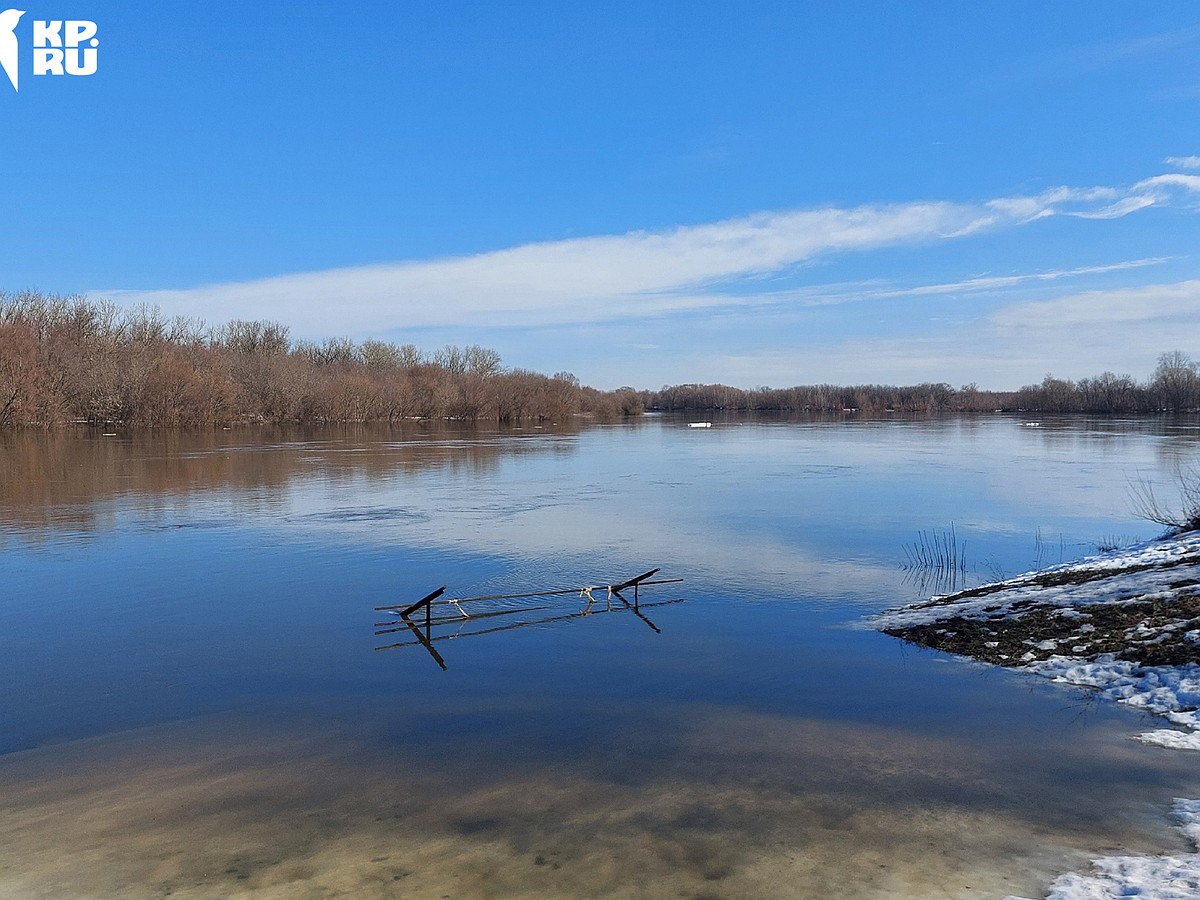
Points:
x=1171, y=691
x=1175, y=877
x=1175, y=740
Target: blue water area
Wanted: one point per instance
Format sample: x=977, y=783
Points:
x=153, y=580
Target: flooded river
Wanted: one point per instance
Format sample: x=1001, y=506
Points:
x=195, y=703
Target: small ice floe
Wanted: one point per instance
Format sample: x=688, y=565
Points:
x=1031, y=424
x=699, y=424
x=1174, y=877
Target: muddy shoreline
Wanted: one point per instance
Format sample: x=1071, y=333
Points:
x=1140, y=605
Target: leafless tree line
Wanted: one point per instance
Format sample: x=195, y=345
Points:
x=820, y=398
x=1174, y=387
x=70, y=359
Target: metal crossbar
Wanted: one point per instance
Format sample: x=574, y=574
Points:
x=634, y=582
x=423, y=630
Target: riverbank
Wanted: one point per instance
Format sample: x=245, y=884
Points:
x=1126, y=624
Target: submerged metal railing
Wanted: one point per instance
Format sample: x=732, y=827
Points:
x=485, y=607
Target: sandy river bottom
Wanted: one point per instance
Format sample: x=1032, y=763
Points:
x=747, y=805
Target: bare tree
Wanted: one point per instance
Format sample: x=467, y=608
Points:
x=1180, y=516
x=332, y=352
x=380, y=355
x=1176, y=382
x=482, y=361
x=268, y=338
x=451, y=358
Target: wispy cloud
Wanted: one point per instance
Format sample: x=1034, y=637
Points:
x=1096, y=56
x=1125, y=329
x=1083, y=60
x=1183, y=162
x=997, y=282
x=636, y=274
x=1171, y=304
x=1159, y=190
x=584, y=279
x=860, y=291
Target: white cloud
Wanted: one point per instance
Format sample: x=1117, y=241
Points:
x=619, y=276
x=1183, y=162
x=1155, y=191
x=1076, y=336
x=842, y=293
x=1171, y=304
x=581, y=279
x=1171, y=179
x=1122, y=207
x=994, y=282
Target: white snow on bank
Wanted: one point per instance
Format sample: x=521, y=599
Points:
x=1172, y=740
x=1162, y=570
x=1170, y=691
x=1159, y=877
x=1166, y=560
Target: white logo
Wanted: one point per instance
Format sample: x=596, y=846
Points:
x=8, y=43
x=60, y=46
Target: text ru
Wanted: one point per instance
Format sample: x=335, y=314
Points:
x=64, y=47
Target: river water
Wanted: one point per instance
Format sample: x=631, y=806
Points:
x=194, y=702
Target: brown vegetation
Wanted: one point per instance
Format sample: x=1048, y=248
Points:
x=69, y=359
x=1174, y=387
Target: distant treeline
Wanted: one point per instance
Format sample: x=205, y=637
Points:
x=70, y=359
x=1174, y=387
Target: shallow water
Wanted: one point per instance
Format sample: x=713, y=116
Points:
x=194, y=705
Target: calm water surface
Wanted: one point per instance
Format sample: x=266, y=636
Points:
x=194, y=705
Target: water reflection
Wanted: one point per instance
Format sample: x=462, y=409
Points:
x=821, y=505
x=69, y=480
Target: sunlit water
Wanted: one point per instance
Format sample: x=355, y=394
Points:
x=194, y=705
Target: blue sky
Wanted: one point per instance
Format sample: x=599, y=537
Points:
x=640, y=193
